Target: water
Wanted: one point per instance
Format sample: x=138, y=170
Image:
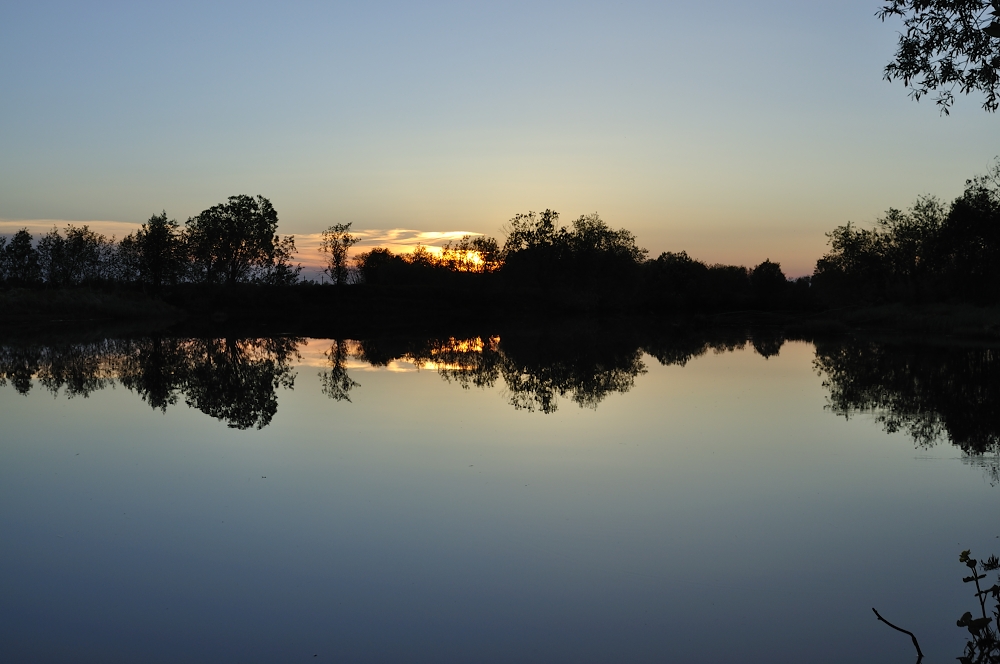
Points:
x=543, y=497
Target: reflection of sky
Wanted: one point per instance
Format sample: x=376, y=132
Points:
x=715, y=512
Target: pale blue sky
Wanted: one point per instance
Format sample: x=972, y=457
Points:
x=736, y=131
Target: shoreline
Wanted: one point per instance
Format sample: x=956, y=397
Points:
x=354, y=313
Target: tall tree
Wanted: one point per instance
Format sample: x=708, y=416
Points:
x=20, y=260
x=236, y=241
x=335, y=243
x=158, y=250
x=947, y=45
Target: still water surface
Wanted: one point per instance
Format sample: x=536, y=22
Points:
x=491, y=499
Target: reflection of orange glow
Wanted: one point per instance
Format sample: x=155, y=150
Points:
x=459, y=354
x=443, y=366
x=451, y=355
x=475, y=345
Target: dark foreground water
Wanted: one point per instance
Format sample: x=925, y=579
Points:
x=537, y=498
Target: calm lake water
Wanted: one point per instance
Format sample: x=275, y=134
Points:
x=702, y=497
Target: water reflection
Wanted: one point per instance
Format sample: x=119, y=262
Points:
x=233, y=380
x=335, y=382
x=932, y=393
x=236, y=379
x=535, y=370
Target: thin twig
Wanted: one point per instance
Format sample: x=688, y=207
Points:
x=920, y=654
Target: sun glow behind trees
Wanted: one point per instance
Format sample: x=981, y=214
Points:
x=398, y=240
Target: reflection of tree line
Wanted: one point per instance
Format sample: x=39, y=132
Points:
x=931, y=393
x=236, y=379
x=233, y=380
x=536, y=370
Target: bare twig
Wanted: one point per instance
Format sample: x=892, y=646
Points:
x=920, y=655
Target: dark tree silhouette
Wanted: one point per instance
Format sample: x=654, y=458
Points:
x=932, y=252
x=20, y=260
x=157, y=250
x=767, y=280
x=81, y=256
x=236, y=242
x=335, y=243
x=587, y=255
x=379, y=266
x=947, y=45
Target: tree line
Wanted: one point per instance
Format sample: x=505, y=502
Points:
x=586, y=263
x=233, y=242
x=932, y=252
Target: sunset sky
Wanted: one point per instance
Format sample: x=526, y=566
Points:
x=737, y=131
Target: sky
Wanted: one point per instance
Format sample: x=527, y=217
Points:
x=737, y=131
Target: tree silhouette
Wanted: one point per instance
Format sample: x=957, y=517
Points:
x=335, y=242
x=158, y=249
x=586, y=256
x=236, y=242
x=947, y=45
x=768, y=281
x=931, y=252
x=80, y=256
